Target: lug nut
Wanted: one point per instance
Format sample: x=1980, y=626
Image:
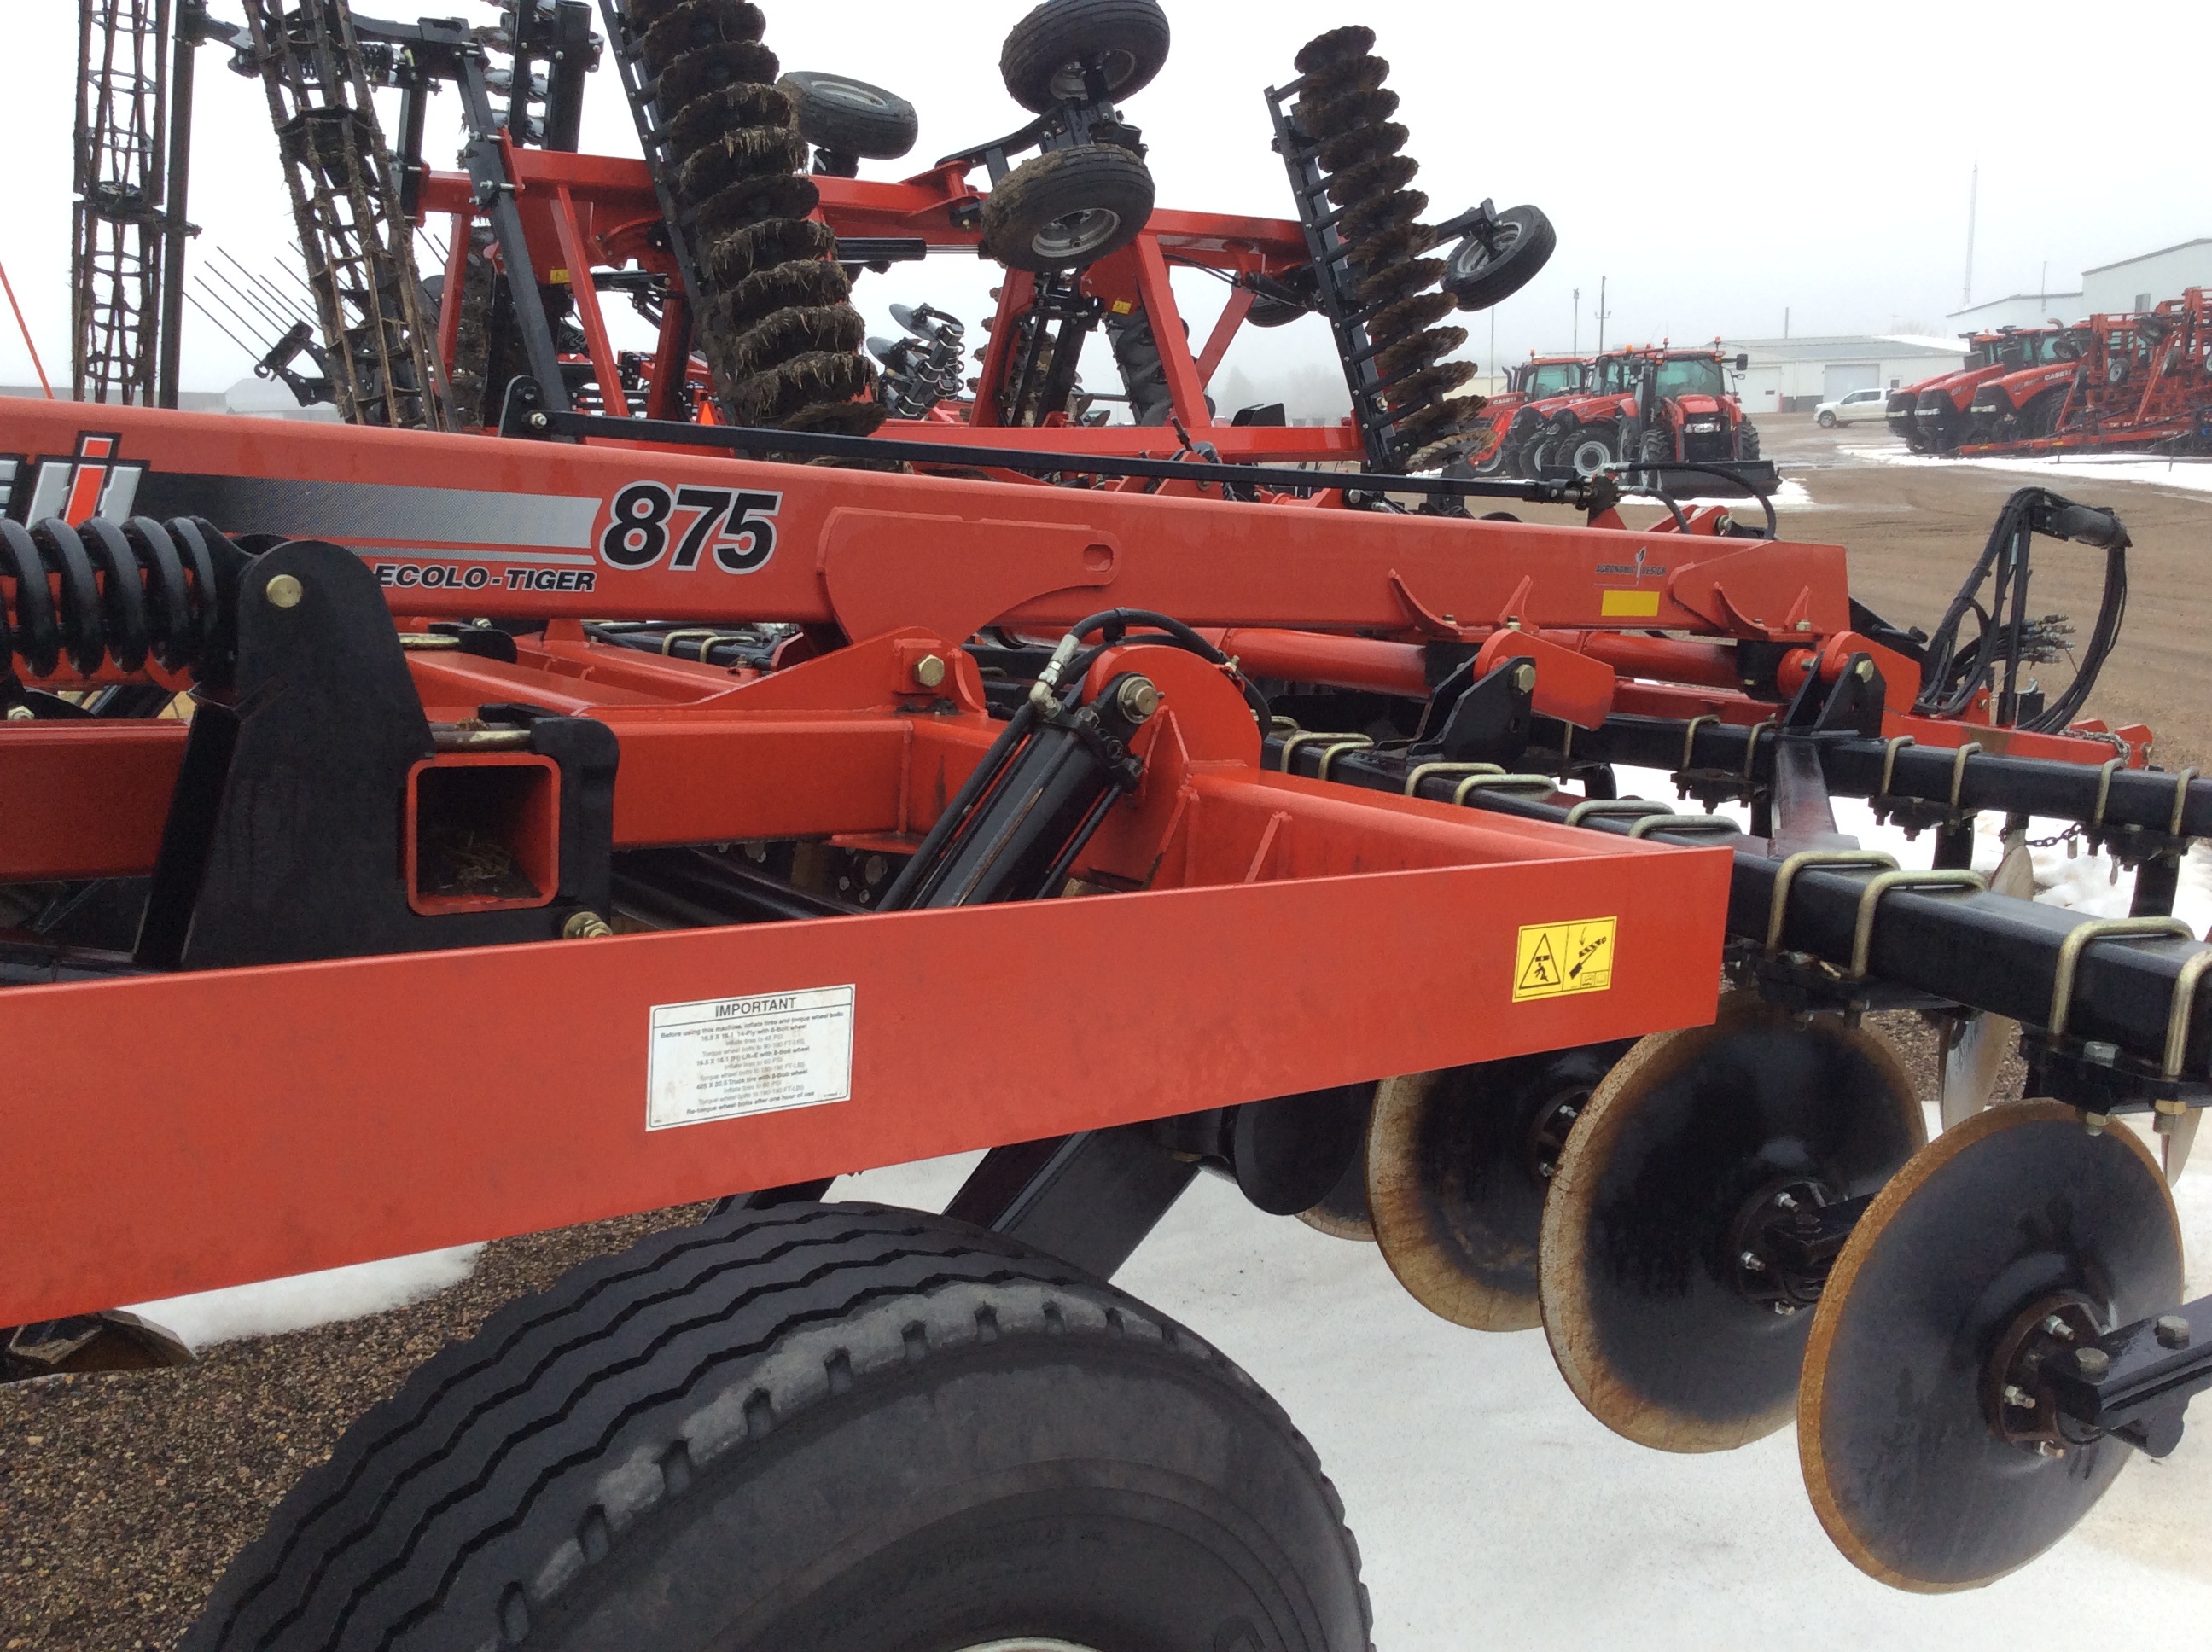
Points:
x=929, y=671
x=2173, y=1331
x=2092, y=1363
x=1751, y=1262
x=1784, y=1201
x=2017, y=1398
x=585, y=926
x=21, y=714
x=2056, y=1327
x=283, y=591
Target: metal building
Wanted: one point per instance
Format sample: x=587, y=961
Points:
x=1793, y=375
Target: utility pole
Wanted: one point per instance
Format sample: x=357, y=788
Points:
x=1602, y=312
x=1576, y=349
x=1974, y=203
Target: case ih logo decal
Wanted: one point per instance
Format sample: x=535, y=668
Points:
x=691, y=526
x=91, y=482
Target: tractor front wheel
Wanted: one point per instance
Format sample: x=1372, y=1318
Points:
x=812, y=1428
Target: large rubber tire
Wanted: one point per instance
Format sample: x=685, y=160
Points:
x=1586, y=451
x=811, y=1429
x=1826, y=421
x=850, y=117
x=1041, y=60
x=1479, y=278
x=1067, y=207
x=1747, y=440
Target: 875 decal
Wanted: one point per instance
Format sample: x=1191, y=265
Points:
x=735, y=531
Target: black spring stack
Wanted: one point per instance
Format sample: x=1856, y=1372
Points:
x=770, y=304
x=123, y=592
x=1352, y=180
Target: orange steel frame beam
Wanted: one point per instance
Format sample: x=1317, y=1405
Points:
x=1289, y=934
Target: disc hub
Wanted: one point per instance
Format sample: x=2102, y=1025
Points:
x=2018, y=1394
x=1776, y=1249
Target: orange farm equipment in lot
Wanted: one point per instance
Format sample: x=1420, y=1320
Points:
x=623, y=809
x=1645, y=407
x=2117, y=382
x=1540, y=379
x=1931, y=416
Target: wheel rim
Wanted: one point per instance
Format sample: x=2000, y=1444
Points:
x=1066, y=83
x=1073, y=234
x=1589, y=456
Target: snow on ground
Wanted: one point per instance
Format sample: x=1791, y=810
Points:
x=307, y=1299
x=2189, y=475
x=1493, y=1511
x=1790, y=497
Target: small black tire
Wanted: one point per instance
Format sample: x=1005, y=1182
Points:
x=1067, y=207
x=1479, y=278
x=1042, y=60
x=850, y=117
x=811, y=1428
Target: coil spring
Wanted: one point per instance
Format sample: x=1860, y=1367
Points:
x=103, y=591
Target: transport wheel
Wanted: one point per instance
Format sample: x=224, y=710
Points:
x=812, y=1428
x=1826, y=421
x=1667, y=1312
x=1458, y=1162
x=1585, y=452
x=1044, y=59
x=1478, y=277
x=2007, y=1224
x=1067, y=207
x=850, y=117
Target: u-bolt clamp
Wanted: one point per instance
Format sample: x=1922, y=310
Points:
x=1786, y=874
x=2082, y=936
x=1880, y=884
x=1339, y=742
x=1634, y=807
x=1690, y=737
x=1504, y=782
x=1651, y=823
x=1421, y=772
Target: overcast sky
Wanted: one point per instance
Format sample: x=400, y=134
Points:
x=1716, y=162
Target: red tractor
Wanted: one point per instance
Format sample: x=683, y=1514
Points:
x=1931, y=416
x=1540, y=379
x=2026, y=403
x=1651, y=407
x=2115, y=382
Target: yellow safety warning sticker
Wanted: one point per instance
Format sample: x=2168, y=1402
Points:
x=1555, y=959
x=1617, y=604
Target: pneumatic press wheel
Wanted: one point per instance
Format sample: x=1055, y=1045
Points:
x=1927, y=1427
x=1671, y=1304
x=1067, y=207
x=812, y=1428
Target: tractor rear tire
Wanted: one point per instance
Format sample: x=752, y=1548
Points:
x=812, y=1428
x=849, y=117
x=1041, y=62
x=1067, y=207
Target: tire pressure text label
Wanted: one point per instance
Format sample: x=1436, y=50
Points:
x=729, y=1057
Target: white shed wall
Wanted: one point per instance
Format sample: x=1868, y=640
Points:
x=2120, y=287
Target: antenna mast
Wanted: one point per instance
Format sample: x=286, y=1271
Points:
x=1974, y=200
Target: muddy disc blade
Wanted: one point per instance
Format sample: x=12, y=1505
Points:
x=1923, y=1473
x=1457, y=1166
x=1654, y=1318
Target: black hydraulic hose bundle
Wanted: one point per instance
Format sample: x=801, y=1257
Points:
x=1953, y=675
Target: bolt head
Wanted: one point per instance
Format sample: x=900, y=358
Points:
x=929, y=671
x=284, y=591
x=1751, y=1262
x=2058, y=1327
x=2092, y=1363
x=21, y=714
x=538, y=421
x=1524, y=680
x=2172, y=1330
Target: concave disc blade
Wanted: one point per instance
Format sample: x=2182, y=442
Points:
x=1457, y=1181
x=2009, y=1207
x=1643, y=1301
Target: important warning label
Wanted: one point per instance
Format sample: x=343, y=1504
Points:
x=724, y=1058
x=1554, y=959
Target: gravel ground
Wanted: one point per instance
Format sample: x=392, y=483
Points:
x=124, y=1496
